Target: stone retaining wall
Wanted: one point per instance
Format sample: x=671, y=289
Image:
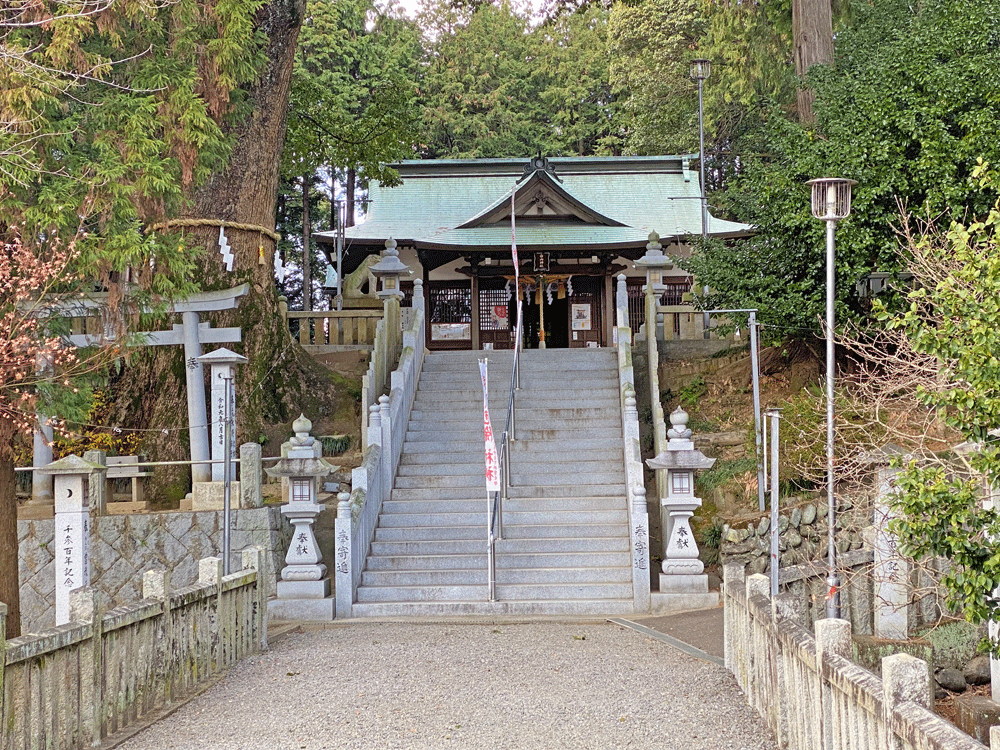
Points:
x=123, y=546
x=802, y=536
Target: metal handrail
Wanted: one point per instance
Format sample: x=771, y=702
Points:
x=495, y=519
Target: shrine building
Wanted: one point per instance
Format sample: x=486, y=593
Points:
x=579, y=222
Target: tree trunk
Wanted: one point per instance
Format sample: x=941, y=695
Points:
x=352, y=178
x=306, y=246
x=812, y=31
x=10, y=584
x=279, y=379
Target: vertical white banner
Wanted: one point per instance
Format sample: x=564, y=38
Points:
x=492, y=460
x=513, y=240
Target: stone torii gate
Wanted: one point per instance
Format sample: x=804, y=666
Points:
x=191, y=333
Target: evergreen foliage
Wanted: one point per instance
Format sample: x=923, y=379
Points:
x=906, y=110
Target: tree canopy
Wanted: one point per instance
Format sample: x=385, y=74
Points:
x=905, y=110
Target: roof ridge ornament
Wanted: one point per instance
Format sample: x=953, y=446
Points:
x=539, y=163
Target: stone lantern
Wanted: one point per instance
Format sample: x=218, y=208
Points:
x=304, y=588
x=655, y=263
x=388, y=271
x=682, y=571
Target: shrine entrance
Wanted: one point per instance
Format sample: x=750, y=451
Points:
x=571, y=308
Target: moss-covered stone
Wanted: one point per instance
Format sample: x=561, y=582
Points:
x=869, y=651
x=954, y=642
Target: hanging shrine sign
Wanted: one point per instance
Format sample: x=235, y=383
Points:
x=492, y=460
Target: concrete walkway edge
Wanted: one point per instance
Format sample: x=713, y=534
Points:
x=697, y=653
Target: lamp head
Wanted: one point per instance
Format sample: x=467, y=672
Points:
x=701, y=69
x=831, y=198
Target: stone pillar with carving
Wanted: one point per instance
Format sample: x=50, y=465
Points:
x=304, y=588
x=72, y=475
x=682, y=571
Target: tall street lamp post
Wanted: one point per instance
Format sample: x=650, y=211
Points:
x=700, y=70
x=831, y=202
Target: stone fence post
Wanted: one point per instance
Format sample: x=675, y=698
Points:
x=904, y=678
x=85, y=609
x=210, y=572
x=250, y=476
x=98, y=485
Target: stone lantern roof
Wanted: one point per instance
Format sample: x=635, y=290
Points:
x=680, y=452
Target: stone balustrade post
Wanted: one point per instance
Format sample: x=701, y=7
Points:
x=251, y=475
x=832, y=637
x=343, y=575
x=418, y=294
x=904, y=678
x=156, y=585
x=252, y=558
x=98, y=485
x=374, y=425
x=387, y=446
x=84, y=606
x=210, y=573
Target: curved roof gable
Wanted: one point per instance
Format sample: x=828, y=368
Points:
x=540, y=197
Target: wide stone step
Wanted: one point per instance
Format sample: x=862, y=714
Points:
x=466, y=533
x=504, y=592
x=472, y=431
x=425, y=421
x=521, y=445
x=558, y=518
x=563, y=591
x=511, y=504
x=528, y=381
x=471, y=461
x=429, y=547
x=520, y=477
x=544, y=560
x=566, y=531
x=504, y=547
x=430, y=562
x=482, y=608
x=568, y=545
x=400, y=578
x=567, y=576
x=443, y=593
x=465, y=493
x=523, y=413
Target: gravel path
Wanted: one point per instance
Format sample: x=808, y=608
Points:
x=534, y=686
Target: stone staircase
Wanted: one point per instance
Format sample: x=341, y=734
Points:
x=566, y=536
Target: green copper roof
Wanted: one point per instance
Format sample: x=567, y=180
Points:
x=594, y=203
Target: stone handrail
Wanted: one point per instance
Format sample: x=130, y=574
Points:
x=74, y=685
x=357, y=514
x=656, y=407
x=634, y=483
x=385, y=353
x=809, y=692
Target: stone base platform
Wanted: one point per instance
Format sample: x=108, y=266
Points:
x=309, y=610
x=665, y=603
x=127, y=506
x=211, y=495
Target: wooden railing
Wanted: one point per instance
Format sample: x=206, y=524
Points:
x=349, y=329
x=77, y=684
x=809, y=691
